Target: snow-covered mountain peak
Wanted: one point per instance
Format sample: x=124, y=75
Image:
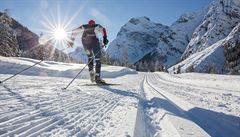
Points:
x=188, y=22
x=222, y=16
x=141, y=40
x=144, y=40
x=139, y=20
x=135, y=39
x=143, y=24
x=221, y=57
x=186, y=17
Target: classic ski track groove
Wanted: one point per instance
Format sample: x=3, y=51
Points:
x=102, y=115
x=78, y=122
x=147, y=82
x=52, y=110
x=35, y=113
x=211, y=89
x=196, y=92
x=156, y=77
x=28, y=122
x=159, y=92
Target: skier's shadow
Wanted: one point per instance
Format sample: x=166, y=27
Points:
x=17, y=96
x=208, y=120
x=122, y=92
x=154, y=102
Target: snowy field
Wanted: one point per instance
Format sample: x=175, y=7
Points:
x=141, y=105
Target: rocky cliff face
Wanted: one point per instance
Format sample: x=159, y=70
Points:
x=221, y=17
x=232, y=51
x=214, y=44
x=221, y=57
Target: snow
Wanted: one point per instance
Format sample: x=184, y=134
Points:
x=186, y=25
x=140, y=37
x=55, y=69
x=210, y=56
x=219, y=20
x=142, y=105
x=213, y=55
x=196, y=40
x=212, y=107
x=136, y=38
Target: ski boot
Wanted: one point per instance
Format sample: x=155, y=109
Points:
x=99, y=81
x=92, y=76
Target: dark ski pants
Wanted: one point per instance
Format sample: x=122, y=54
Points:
x=92, y=48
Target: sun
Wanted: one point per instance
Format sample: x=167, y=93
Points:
x=56, y=30
x=60, y=34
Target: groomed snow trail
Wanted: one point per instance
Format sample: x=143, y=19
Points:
x=191, y=108
x=42, y=108
x=142, y=105
x=166, y=117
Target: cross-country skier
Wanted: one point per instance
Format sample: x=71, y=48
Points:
x=92, y=47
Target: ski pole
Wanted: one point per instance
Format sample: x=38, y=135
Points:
x=25, y=69
x=21, y=71
x=82, y=70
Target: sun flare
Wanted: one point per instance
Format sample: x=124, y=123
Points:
x=60, y=34
x=56, y=30
x=57, y=27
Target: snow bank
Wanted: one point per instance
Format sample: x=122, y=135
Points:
x=223, y=82
x=56, y=69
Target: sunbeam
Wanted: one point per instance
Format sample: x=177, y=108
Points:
x=57, y=30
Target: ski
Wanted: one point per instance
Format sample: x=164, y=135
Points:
x=102, y=84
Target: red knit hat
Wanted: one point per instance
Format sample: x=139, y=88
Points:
x=91, y=22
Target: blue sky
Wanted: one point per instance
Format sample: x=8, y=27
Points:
x=110, y=13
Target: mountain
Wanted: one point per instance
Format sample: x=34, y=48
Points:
x=141, y=37
x=221, y=57
x=186, y=25
x=136, y=38
x=222, y=16
x=141, y=40
x=214, y=44
x=25, y=38
x=17, y=40
x=196, y=42
x=8, y=38
x=232, y=51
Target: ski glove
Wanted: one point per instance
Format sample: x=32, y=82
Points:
x=105, y=40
